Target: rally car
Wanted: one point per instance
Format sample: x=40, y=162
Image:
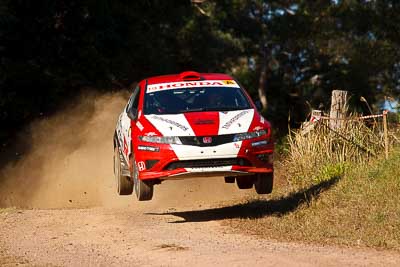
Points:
x=191, y=125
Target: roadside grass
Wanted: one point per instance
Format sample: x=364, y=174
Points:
x=335, y=193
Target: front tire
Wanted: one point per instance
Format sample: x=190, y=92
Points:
x=244, y=182
x=143, y=189
x=264, y=183
x=124, y=183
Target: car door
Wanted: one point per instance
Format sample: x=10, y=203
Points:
x=124, y=124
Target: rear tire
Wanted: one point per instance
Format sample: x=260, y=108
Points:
x=143, y=189
x=245, y=182
x=264, y=183
x=124, y=183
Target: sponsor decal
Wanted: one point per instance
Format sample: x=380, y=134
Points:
x=125, y=145
x=210, y=169
x=229, y=82
x=235, y=118
x=207, y=140
x=257, y=128
x=178, y=85
x=236, y=145
x=119, y=135
x=150, y=134
x=139, y=125
x=141, y=166
x=174, y=123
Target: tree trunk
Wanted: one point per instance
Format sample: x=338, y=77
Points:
x=339, y=107
x=261, y=84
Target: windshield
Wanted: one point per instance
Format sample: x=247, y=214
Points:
x=185, y=100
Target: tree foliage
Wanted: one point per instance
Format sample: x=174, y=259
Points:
x=50, y=49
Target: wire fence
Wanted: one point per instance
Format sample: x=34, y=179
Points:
x=380, y=132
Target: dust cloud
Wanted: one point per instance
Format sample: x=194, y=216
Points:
x=69, y=165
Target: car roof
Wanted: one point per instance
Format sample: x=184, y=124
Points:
x=188, y=76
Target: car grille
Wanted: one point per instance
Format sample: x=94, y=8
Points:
x=200, y=140
x=207, y=163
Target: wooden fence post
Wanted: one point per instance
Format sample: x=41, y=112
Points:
x=338, y=109
x=385, y=133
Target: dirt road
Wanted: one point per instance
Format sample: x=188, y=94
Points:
x=68, y=213
x=146, y=235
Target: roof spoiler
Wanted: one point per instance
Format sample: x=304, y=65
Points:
x=190, y=76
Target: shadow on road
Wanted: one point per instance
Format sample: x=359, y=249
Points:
x=256, y=208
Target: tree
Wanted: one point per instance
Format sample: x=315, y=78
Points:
x=302, y=50
x=289, y=54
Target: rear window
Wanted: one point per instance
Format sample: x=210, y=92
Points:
x=195, y=99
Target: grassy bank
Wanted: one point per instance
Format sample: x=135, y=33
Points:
x=339, y=202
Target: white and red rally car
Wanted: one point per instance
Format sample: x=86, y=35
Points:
x=191, y=125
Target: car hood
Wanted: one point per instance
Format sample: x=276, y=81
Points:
x=203, y=123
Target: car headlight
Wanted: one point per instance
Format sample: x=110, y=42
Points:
x=249, y=135
x=161, y=139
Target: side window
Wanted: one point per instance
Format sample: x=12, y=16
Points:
x=133, y=100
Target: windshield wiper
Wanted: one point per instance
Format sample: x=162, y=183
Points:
x=212, y=109
x=192, y=110
x=230, y=108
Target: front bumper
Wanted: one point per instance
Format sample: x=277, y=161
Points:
x=232, y=159
x=184, y=173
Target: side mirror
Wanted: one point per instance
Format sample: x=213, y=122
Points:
x=132, y=113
